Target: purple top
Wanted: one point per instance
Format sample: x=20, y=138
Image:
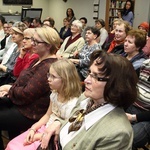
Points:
x=129, y=17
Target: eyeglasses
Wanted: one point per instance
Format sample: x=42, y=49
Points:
x=26, y=38
x=36, y=42
x=52, y=76
x=94, y=76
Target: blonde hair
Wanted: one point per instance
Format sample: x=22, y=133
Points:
x=71, y=86
x=50, y=36
x=126, y=24
x=117, y=20
x=29, y=31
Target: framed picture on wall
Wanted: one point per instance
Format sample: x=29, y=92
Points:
x=17, y=2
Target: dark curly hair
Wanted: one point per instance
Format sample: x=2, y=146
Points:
x=125, y=11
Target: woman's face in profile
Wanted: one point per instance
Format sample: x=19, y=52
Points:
x=120, y=33
x=27, y=42
x=94, y=88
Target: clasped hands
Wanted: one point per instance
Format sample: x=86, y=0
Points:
x=44, y=137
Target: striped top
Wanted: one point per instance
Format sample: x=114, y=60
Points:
x=143, y=100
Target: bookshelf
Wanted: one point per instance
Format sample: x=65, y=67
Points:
x=113, y=8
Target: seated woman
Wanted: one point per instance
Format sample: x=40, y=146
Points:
x=8, y=62
x=144, y=26
x=62, y=100
x=65, y=31
x=111, y=34
x=27, y=54
x=28, y=98
x=99, y=121
x=100, y=24
x=121, y=31
x=134, y=42
x=91, y=45
x=9, y=42
x=73, y=44
x=139, y=112
x=50, y=22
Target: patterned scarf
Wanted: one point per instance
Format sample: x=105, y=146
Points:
x=78, y=116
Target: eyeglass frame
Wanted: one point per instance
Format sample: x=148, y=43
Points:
x=36, y=42
x=52, y=76
x=26, y=38
x=102, y=79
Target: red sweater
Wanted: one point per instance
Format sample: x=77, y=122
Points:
x=23, y=63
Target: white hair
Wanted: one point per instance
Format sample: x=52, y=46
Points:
x=78, y=23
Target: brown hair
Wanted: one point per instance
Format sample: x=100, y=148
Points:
x=120, y=89
x=140, y=38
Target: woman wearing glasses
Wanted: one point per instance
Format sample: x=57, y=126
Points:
x=99, y=121
x=28, y=97
x=27, y=54
x=91, y=45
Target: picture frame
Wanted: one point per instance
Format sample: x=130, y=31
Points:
x=17, y=2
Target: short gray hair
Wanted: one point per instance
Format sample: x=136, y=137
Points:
x=78, y=23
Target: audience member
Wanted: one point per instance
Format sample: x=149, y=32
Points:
x=73, y=44
x=70, y=15
x=82, y=63
x=28, y=22
x=100, y=24
x=145, y=27
x=84, y=23
x=11, y=23
x=2, y=21
x=27, y=55
x=111, y=34
x=139, y=112
x=28, y=97
x=9, y=42
x=65, y=31
x=99, y=121
x=8, y=62
x=50, y=22
x=63, y=99
x=6, y=32
x=121, y=31
x=37, y=22
x=134, y=42
x=127, y=13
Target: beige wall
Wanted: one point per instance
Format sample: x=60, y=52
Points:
x=57, y=9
